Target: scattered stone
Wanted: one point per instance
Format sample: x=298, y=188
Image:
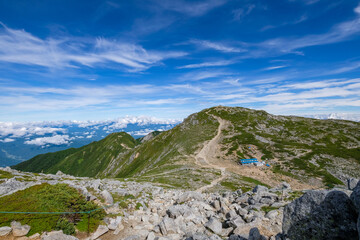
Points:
x=151, y=236
x=272, y=214
x=4, y=231
x=35, y=236
x=189, y=196
x=352, y=183
x=167, y=226
x=114, y=223
x=101, y=230
x=133, y=237
x=18, y=229
x=254, y=234
x=214, y=225
x=236, y=222
x=107, y=197
x=57, y=235
x=119, y=229
x=260, y=189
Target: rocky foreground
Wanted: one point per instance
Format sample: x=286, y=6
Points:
x=158, y=213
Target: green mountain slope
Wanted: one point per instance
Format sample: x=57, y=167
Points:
x=88, y=160
x=208, y=145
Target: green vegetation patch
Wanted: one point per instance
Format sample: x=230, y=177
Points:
x=254, y=181
x=230, y=185
x=4, y=174
x=50, y=198
x=267, y=209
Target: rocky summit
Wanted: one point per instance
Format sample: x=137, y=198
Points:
x=136, y=210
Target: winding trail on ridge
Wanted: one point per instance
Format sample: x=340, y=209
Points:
x=209, y=152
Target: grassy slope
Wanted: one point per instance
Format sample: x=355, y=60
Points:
x=47, y=198
x=302, y=145
x=168, y=148
x=85, y=161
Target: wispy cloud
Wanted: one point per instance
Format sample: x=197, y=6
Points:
x=54, y=140
x=340, y=32
x=21, y=47
x=204, y=74
x=307, y=2
x=208, y=64
x=194, y=9
x=222, y=47
x=240, y=13
x=301, y=19
x=275, y=67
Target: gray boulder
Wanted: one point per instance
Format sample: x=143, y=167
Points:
x=4, y=231
x=214, y=225
x=352, y=183
x=151, y=236
x=197, y=236
x=236, y=222
x=133, y=237
x=107, y=197
x=260, y=188
x=57, y=235
x=272, y=214
x=101, y=230
x=254, y=234
x=320, y=215
x=236, y=237
x=175, y=211
x=355, y=197
x=167, y=226
x=189, y=196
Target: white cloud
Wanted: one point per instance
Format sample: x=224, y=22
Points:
x=274, y=67
x=204, y=74
x=340, y=32
x=240, y=13
x=193, y=9
x=54, y=140
x=143, y=132
x=121, y=123
x=16, y=130
x=207, y=64
x=222, y=47
x=21, y=47
x=7, y=140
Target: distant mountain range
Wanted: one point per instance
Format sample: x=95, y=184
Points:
x=22, y=141
x=343, y=116
x=208, y=145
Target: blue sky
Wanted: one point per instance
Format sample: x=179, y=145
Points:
x=81, y=60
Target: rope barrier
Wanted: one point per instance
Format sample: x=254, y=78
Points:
x=86, y=212
x=61, y=213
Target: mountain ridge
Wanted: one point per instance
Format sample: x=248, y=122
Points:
x=306, y=151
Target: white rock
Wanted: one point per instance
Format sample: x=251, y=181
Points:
x=19, y=230
x=57, y=235
x=102, y=229
x=272, y=214
x=107, y=197
x=4, y=231
x=151, y=236
x=35, y=236
x=214, y=225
